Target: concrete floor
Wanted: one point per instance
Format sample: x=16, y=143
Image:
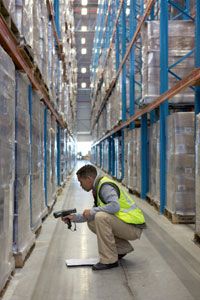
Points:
x=165, y=264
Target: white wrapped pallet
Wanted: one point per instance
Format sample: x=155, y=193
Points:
x=49, y=200
x=106, y=156
x=42, y=188
x=178, y=48
x=53, y=156
x=126, y=156
x=36, y=192
x=180, y=164
x=7, y=164
x=23, y=238
x=138, y=160
x=197, y=178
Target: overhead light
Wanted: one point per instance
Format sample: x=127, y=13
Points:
x=83, y=28
x=83, y=70
x=82, y=41
x=128, y=11
x=83, y=85
x=84, y=11
x=84, y=2
x=83, y=51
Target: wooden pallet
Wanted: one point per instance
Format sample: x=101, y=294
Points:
x=153, y=203
x=21, y=257
x=179, y=219
x=27, y=53
x=197, y=239
x=134, y=192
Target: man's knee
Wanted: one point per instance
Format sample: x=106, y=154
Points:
x=99, y=216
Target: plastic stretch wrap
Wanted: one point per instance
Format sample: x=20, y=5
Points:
x=126, y=155
x=118, y=169
x=131, y=153
x=26, y=20
x=10, y=5
x=53, y=155
x=7, y=163
x=154, y=162
x=138, y=160
x=43, y=204
x=133, y=158
x=197, y=178
x=116, y=105
x=36, y=191
x=48, y=159
x=178, y=48
x=40, y=47
x=180, y=164
x=51, y=54
x=105, y=155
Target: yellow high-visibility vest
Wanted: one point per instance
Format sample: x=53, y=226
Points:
x=129, y=212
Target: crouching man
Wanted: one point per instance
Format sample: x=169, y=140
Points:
x=115, y=218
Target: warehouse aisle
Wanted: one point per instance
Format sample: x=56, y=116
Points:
x=164, y=265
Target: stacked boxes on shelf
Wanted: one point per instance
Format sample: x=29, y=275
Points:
x=28, y=130
x=36, y=165
x=53, y=156
x=44, y=208
x=105, y=156
x=181, y=164
x=23, y=236
x=36, y=30
x=197, y=178
x=178, y=48
x=7, y=163
x=154, y=163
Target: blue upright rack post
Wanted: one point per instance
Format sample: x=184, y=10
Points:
x=123, y=83
x=57, y=22
x=164, y=106
x=133, y=25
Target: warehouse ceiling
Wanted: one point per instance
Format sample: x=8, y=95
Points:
x=85, y=20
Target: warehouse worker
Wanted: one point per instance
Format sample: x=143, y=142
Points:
x=115, y=218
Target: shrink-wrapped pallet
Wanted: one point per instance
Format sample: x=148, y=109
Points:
x=23, y=238
x=180, y=164
x=127, y=136
x=106, y=156
x=197, y=177
x=49, y=200
x=137, y=162
x=154, y=163
x=53, y=156
x=131, y=160
x=36, y=165
x=42, y=189
x=7, y=164
x=178, y=48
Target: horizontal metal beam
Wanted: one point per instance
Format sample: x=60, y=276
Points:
x=193, y=78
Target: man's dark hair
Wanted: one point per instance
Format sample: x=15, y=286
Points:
x=87, y=170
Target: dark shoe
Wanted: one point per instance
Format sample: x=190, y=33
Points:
x=120, y=256
x=99, y=266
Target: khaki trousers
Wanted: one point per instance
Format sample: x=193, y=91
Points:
x=112, y=236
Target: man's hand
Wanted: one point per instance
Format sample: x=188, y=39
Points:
x=69, y=217
x=86, y=213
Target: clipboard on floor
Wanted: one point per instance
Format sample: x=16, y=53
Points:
x=81, y=262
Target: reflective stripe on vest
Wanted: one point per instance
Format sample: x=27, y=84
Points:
x=129, y=212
